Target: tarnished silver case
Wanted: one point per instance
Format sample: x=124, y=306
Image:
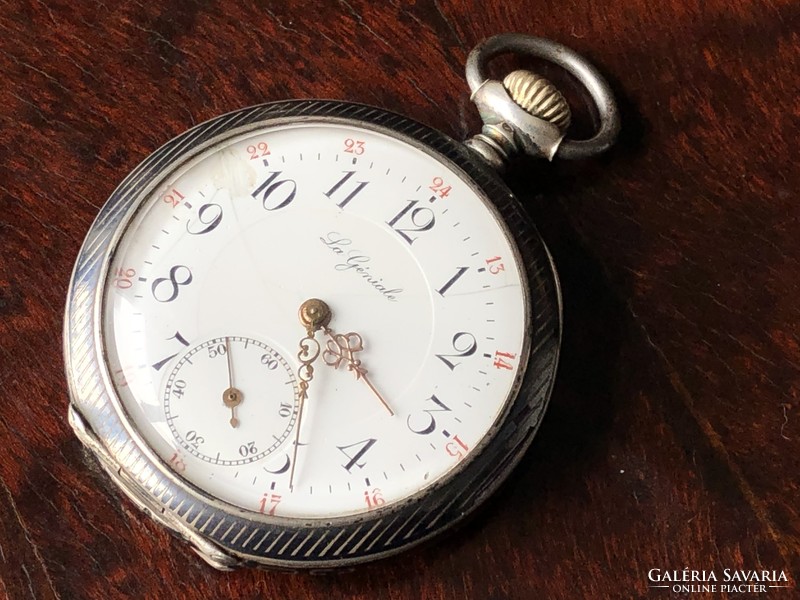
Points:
x=227, y=536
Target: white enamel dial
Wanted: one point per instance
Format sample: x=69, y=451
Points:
x=407, y=255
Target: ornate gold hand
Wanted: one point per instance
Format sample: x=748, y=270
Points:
x=231, y=397
x=314, y=315
x=342, y=349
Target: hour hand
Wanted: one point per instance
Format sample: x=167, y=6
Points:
x=341, y=349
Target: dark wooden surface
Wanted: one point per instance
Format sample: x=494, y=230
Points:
x=673, y=438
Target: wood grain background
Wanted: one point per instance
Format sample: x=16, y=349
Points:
x=673, y=438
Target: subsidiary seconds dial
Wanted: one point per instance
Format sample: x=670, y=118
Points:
x=231, y=400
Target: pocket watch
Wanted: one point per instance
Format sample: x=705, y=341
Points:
x=310, y=334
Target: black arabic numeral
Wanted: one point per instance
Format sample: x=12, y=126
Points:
x=269, y=361
x=431, y=420
x=165, y=289
x=209, y=215
x=215, y=351
x=271, y=186
x=347, y=175
x=464, y=345
x=157, y=366
x=422, y=219
x=179, y=388
x=248, y=449
x=459, y=272
x=363, y=446
x=194, y=439
x=284, y=467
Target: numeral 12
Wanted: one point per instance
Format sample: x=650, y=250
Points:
x=422, y=219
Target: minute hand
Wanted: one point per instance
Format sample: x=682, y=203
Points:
x=342, y=349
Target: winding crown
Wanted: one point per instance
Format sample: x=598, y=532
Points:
x=538, y=97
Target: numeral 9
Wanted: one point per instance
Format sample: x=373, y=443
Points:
x=209, y=215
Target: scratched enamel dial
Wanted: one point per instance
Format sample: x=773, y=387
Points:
x=428, y=318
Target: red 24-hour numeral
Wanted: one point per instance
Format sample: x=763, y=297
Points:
x=177, y=463
x=124, y=376
x=123, y=278
x=120, y=378
x=374, y=499
x=258, y=150
x=173, y=197
x=438, y=187
x=356, y=147
x=268, y=504
x=494, y=266
x=501, y=363
x=456, y=448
